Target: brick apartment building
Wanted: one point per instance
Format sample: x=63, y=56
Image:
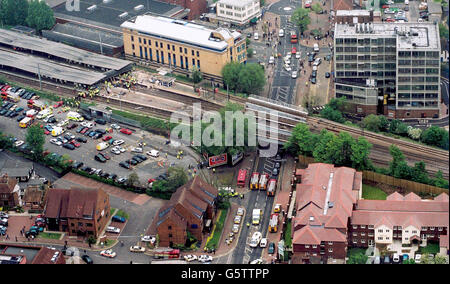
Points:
x=22, y=254
x=9, y=192
x=191, y=208
x=325, y=199
x=330, y=216
x=79, y=212
x=408, y=220
x=196, y=7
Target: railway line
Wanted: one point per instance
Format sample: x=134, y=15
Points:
x=435, y=159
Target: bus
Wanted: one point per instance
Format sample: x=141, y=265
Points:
x=263, y=181
x=242, y=175
x=273, y=223
x=294, y=38
x=24, y=123
x=254, y=181
x=166, y=253
x=272, y=187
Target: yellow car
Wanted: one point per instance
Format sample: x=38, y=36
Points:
x=277, y=208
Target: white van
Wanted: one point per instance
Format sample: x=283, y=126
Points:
x=406, y=2
x=153, y=153
x=281, y=33
x=396, y=257
x=72, y=115
x=316, y=47
x=44, y=113
x=56, y=131
x=256, y=36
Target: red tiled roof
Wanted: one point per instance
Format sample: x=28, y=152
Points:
x=343, y=5
x=45, y=255
x=7, y=184
x=71, y=203
x=395, y=196
x=443, y=241
x=305, y=236
x=309, y=235
x=443, y=197
x=425, y=219
x=412, y=197
x=407, y=206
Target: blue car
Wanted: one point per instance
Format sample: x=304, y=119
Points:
x=48, y=128
x=117, y=218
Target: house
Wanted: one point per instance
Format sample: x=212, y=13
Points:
x=342, y=5
x=404, y=220
x=22, y=171
x=9, y=192
x=33, y=198
x=325, y=199
x=22, y=254
x=77, y=211
x=191, y=210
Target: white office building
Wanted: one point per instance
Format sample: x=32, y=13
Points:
x=238, y=12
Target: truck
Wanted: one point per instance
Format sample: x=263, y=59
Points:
x=273, y=223
x=24, y=123
x=263, y=181
x=256, y=216
x=271, y=187
x=254, y=181
x=44, y=113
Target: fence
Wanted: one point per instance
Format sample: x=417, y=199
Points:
x=369, y=176
x=418, y=188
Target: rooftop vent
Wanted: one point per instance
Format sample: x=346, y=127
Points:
x=92, y=8
x=123, y=15
x=107, y=1
x=330, y=204
x=311, y=218
x=324, y=187
x=138, y=8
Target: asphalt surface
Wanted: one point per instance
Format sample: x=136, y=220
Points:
x=150, y=168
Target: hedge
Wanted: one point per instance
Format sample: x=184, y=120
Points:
x=213, y=240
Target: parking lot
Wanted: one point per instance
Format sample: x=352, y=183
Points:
x=85, y=153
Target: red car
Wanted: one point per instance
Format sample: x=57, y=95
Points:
x=107, y=138
x=40, y=224
x=58, y=104
x=105, y=156
x=126, y=131
x=84, y=130
x=150, y=180
x=46, y=132
x=390, y=20
x=385, y=7
x=75, y=143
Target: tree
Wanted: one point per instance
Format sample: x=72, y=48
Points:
x=435, y=136
x=357, y=258
x=360, y=154
x=230, y=74
x=251, y=78
x=316, y=7
x=35, y=138
x=398, y=127
x=329, y=113
x=133, y=179
x=177, y=177
x=371, y=123
x=13, y=12
x=414, y=133
x=321, y=152
x=439, y=259
x=443, y=31
x=40, y=16
x=340, y=149
x=302, y=140
x=384, y=123
x=409, y=261
x=197, y=76
x=249, y=52
x=301, y=18
x=397, y=158
x=440, y=181
x=419, y=174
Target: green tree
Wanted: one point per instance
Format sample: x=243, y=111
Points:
x=301, y=18
x=197, y=76
x=440, y=181
x=409, y=261
x=249, y=52
x=371, y=123
x=340, y=149
x=35, y=138
x=398, y=127
x=302, y=140
x=419, y=174
x=397, y=158
x=133, y=179
x=329, y=113
x=384, y=123
x=230, y=74
x=435, y=136
x=177, y=177
x=360, y=154
x=443, y=31
x=251, y=78
x=414, y=133
x=316, y=7
x=40, y=16
x=321, y=152
x=439, y=259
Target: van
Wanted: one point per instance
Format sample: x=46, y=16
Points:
x=56, y=131
x=396, y=258
x=316, y=47
x=256, y=216
x=406, y=2
x=44, y=113
x=75, y=116
x=281, y=33
x=256, y=36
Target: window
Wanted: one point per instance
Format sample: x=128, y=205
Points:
x=181, y=49
x=407, y=231
x=440, y=229
x=140, y=40
x=387, y=231
x=173, y=47
x=370, y=226
x=330, y=243
x=363, y=241
x=406, y=238
x=169, y=228
x=314, y=246
x=168, y=46
x=192, y=51
x=432, y=228
x=198, y=53
x=423, y=229
x=380, y=231
x=363, y=227
x=145, y=41
x=132, y=46
x=89, y=224
x=363, y=234
x=306, y=246
x=156, y=43
x=170, y=235
x=414, y=232
x=132, y=38
x=355, y=234
x=330, y=250
x=380, y=238
x=355, y=227
x=185, y=50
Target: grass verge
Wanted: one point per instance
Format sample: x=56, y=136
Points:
x=52, y=236
x=213, y=240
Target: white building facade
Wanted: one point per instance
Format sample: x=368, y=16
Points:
x=238, y=12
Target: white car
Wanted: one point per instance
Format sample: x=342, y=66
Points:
x=118, y=142
x=271, y=60
x=111, y=229
x=48, y=117
x=235, y=228
x=288, y=68
x=388, y=11
x=137, y=150
x=288, y=55
x=396, y=258
x=137, y=249
x=63, y=123
x=18, y=143
x=263, y=242
x=115, y=150
x=287, y=60
x=240, y=211
x=121, y=149
x=55, y=141
x=294, y=74
x=256, y=36
x=205, y=258
x=87, y=124
x=256, y=238
x=256, y=261
x=150, y=239
x=237, y=219
x=298, y=55
x=108, y=253
x=190, y=257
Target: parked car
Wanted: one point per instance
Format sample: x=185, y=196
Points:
x=81, y=139
x=111, y=229
x=263, y=242
x=125, y=165
x=100, y=158
x=205, y=258
x=137, y=249
x=86, y=258
x=240, y=211
x=69, y=146
x=235, y=228
x=119, y=219
x=126, y=131
x=118, y=142
x=77, y=165
x=100, y=121
x=271, y=248
x=190, y=257
x=396, y=258
x=237, y=219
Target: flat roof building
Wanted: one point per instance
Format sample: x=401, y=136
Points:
x=238, y=12
x=389, y=68
x=182, y=45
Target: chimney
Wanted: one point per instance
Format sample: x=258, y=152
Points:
x=4, y=178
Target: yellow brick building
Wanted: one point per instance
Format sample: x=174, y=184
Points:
x=182, y=45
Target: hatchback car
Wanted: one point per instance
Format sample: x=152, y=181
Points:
x=126, y=131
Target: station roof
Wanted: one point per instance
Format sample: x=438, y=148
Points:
x=61, y=50
x=49, y=69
